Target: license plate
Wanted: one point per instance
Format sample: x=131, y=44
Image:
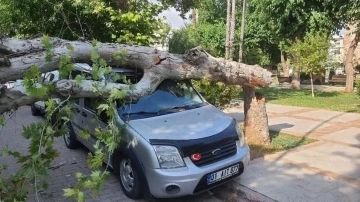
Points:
x=222, y=174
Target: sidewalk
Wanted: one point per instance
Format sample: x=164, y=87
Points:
x=327, y=170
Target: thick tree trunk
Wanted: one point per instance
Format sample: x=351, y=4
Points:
x=232, y=31
x=284, y=64
x=256, y=120
x=242, y=32
x=228, y=18
x=156, y=65
x=295, y=83
x=349, y=70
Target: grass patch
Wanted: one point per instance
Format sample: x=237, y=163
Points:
x=337, y=101
x=279, y=142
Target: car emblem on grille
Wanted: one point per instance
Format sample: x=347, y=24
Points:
x=216, y=152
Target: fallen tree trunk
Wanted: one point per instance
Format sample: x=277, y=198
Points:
x=196, y=63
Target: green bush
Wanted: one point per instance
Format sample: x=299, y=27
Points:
x=357, y=83
x=357, y=67
x=218, y=94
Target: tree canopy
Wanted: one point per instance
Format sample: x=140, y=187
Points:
x=134, y=22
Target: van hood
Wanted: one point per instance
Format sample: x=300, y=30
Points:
x=187, y=125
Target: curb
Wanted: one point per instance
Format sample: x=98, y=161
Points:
x=235, y=192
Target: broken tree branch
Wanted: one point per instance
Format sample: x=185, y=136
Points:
x=157, y=65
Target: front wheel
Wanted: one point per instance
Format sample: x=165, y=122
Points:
x=70, y=139
x=130, y=178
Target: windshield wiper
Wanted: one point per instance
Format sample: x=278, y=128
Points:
x=141, y=113
x=188, y=106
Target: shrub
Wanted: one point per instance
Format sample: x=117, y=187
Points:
x=357, y=83
x=218, y=94
x=357, y=67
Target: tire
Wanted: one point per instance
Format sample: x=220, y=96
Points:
x=35, y=111
x=130, y=171
x=70, y=139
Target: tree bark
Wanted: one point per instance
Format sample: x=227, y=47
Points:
x=295, y=83
x=193, y=16
x=228, y=18
x=232, y=31
x=349, y=70
x=256, y=120
x=156, y=65
x=242, y=32
x=285, y=64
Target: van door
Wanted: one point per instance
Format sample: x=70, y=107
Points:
x=78, y=120
x=91, y=122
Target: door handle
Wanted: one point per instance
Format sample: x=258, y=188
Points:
x=83, y=114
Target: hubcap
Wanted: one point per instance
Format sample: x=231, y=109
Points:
x=67, y=138
x=126, y=174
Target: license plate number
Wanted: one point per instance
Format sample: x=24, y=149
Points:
x=222, y=174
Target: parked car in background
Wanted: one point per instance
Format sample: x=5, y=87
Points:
x=38, y=108
x=175, y=143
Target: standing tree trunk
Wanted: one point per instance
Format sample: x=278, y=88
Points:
x=349, y=70
x=312, y=85
x=256, y=120
x=295, y=83
x=242, y=30
x=228, y=17
x=285, y=64
x=232, y=30
x=193, y=16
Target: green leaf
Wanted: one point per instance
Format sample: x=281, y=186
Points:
x=79, y=79
x=103, y=107
x=81, y=197
x=84, y=134
x=117, y=94
x=70, y=48
x=68, y=192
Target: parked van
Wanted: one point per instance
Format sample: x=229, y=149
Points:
x=176, y=143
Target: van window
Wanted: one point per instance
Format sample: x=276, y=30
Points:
x=89, y=104
x=92, y=104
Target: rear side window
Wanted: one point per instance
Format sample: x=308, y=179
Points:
x=89, y=104
x=92, y=104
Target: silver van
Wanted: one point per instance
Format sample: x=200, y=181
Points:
x=176, y=143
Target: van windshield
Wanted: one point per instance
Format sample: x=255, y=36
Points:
x=170, y=97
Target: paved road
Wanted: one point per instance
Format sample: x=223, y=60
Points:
x=73, y=161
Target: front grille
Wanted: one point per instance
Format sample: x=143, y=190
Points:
x=207, y=157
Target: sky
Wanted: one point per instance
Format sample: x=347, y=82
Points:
x=172, y=17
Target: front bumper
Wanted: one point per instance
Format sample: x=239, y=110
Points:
x=192, y=179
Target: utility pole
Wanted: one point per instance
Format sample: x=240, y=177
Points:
x=242, y=29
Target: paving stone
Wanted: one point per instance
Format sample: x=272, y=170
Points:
x=333, y=116
x=348, y=136
x=295, y=126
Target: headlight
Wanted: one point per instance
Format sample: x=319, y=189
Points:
x=240, y=133
x=168, y=156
